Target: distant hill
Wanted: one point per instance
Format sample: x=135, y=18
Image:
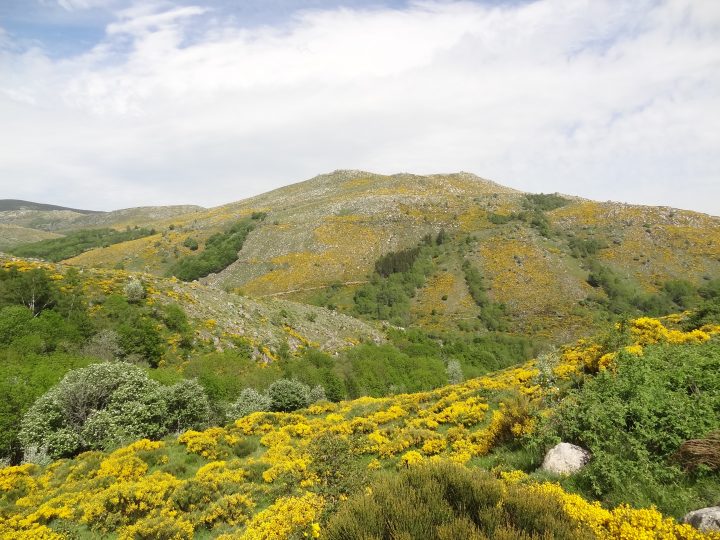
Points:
x=16, y=204
x=13, y=235
x=59, y=219
x=320, y=240
x=560, y=265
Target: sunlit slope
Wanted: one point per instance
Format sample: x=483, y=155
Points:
x=14, y=235
x=263, y=476
x=218, y=318
x=331, y=229
x=648, y=243
x=57, y=219
x=326, y=229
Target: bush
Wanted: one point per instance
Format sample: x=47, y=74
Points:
x=102, y=405
x=140, y=336
x=707, y=313
x=544, y=201
x=23, y=379
x=33, y=289
x=317, y=393
x=454, y=372
x=633, y=421
x=134, y=291
x=288, y=395
x=446, y=501
x=13, y=323
x=190, y=243
x=250, y=401
x=187, y=405
x=338, y=466
x=104, y=345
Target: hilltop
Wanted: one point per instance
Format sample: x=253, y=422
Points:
x=319, y=241
x=59, y=219
x=9, y=205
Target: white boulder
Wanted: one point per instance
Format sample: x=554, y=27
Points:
x=705, y=519
x=565, y=458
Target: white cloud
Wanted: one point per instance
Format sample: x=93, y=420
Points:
x=607, y=99
x=75, y=5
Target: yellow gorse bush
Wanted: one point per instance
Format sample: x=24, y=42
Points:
x=623, y=522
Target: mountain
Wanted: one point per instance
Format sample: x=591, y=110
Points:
x=58, y=219
x=320, y=240
x=13, y=235
x=8, y=205
x=360, y=355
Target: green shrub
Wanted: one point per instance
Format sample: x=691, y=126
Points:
x=397, y=261
x=190, y=243
x=544, y=201
x=396, y=278
x=105, y=404
x=33, y=289
x=499, y=219
x=288, y=395
x=635, y=418
x=584, y=247
x=134, y=290
x=140, y=336
x=250, y=401
x=340, y=471
x=24, y=378
x=382, y=369
x=447, y=501
x=706, y=313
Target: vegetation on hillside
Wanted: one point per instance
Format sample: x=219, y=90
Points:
x=281, y=475
x=77, y=242
x=71, y=320
x=146, y=407
x=635, y=418
x=48, y=327
x=329, y=232
x=221, y=250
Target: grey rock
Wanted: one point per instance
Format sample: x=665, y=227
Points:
x=705, y=519
x=565, y=458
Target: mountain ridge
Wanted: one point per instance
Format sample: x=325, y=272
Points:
x=329, y=231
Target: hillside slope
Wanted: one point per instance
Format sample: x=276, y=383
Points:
x=275, y=475
x=219, y=318
x=8, y=205
x=46, y=217
x=14, y=235
x=329, y=231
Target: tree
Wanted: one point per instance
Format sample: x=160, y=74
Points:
x=134, y=290
x=250, y=401
x=103, y=405
x=288, y=395
x=454, y=372
x=139, y=335
x=32, y=288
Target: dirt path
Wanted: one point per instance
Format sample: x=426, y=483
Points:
x=312, y=288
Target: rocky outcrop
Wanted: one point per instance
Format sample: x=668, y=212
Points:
x=705, y=519
x=565, y=458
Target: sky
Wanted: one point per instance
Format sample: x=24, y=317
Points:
x=108, y=104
